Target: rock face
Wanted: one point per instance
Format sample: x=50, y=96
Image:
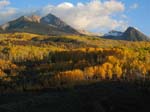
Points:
x=52, y=20
x=35, y=18
x=48, y=25
x=131, y=34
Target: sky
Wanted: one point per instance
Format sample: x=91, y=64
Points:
x=98, y=16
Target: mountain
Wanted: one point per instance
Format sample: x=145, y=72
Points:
x=48, y=25
x=52, y=25
x=131, y=34
x=52, y=20
x=20, y=22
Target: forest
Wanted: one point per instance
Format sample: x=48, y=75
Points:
x=35, y=62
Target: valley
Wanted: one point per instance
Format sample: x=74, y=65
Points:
x=47, y=65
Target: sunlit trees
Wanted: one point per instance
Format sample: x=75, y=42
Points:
x=69, y=76
x=102, y=73
x=6, y=52
x=8, y=70
x=108, y=69
x=2, y=74
x=117, y=71
x=43, y=61
x=89, y=72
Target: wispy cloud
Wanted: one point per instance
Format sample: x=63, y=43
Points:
x=6, y=12
x=4, y=3
x=134, y=6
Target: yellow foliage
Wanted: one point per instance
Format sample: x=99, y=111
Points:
x=107, y=66
x=102, y=72
x=89, y=72
x=71, y=75
x=112, y=59
x=2, y=74
x=118, y=71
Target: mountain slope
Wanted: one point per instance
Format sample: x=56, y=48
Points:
x=131, y=34
x=35, y=24
x=52, y=20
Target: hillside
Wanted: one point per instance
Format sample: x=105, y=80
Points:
x=48, y=25
x=74, y=56
x=52, y=20
x=130, y=34
x=133, y=34
x=52, y=25
x=86, y=73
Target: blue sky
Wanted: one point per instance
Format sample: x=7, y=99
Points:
x=127, y=13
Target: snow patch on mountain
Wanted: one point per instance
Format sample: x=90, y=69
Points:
x=114, y=33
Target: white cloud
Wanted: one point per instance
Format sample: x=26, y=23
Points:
x=5, y=11
x=4, y=3
x=65, y=5
x=114, y=6
x=124, y=16
x=134, y=6
x=95, y=15
x=90, y=16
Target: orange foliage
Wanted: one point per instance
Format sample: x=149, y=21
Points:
x=74, y=75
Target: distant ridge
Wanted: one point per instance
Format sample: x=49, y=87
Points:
x=52, y=25
x=131, y=34
x=48, y=25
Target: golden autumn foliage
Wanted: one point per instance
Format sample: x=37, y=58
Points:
x=6, y=67
x=102, y=72
x=74, y=75
x=30, y=59
x=2, y=74
x=118, y=71
x=108, y=69
x=89, y=72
